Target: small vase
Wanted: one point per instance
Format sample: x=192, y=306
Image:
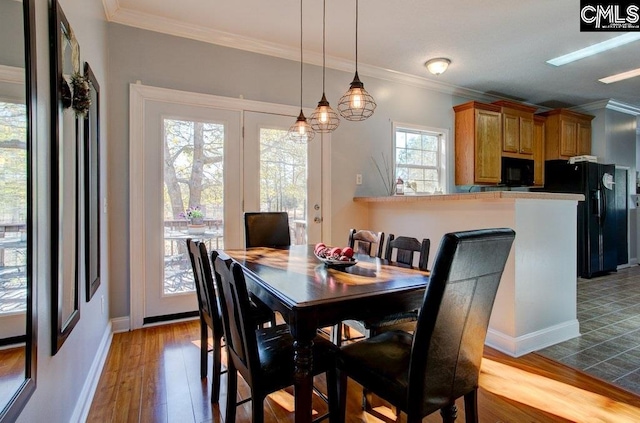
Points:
x=196, y=229
x=197, y=221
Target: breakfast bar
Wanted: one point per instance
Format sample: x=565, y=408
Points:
x=536, y=303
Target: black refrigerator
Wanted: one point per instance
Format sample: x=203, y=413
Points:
x=597, y=251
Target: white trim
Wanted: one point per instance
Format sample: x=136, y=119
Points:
x=81, y=410
x=618, y=106
x=138, y=96
x=120, y=324
x=176, y=28
x=444, y=164
x=11, y=74
x=533, y=341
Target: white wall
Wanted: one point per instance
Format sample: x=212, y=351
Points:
x=61, y=378
x=171, y=62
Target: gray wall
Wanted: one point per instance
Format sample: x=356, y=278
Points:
x=166, y=61
x=61, y=378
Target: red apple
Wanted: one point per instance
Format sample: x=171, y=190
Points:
x=347, y=251
x=335, y=252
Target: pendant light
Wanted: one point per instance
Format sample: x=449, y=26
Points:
x=301, y=131
x=356, y=104
x=324, y=119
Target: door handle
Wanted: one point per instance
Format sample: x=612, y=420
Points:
x=317, y=219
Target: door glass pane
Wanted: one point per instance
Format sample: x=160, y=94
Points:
x=193, y=195
x=283, y=179
x=13, y=211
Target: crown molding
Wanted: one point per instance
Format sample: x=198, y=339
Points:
x=111, y=8
x=611, y=104
x=176, y=28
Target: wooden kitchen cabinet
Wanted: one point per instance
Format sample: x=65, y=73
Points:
x=517, y=128
x=538, y=150
x=567, y=134
x=478, y=141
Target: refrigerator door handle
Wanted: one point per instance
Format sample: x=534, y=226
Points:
x=603, y=207
x=597, y=203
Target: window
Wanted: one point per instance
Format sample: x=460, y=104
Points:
x=420, y=158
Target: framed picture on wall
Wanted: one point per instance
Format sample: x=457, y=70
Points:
x=92, y=185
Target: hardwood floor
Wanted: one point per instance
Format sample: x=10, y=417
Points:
x=152, y=375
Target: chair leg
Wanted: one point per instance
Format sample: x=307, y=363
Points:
x=449, y=413
x=204, y=348
x=217, y=369
x=257, y=408
x=471, y=407
x=336, y=334
x=332, y=394
x=341, y=393
x=232, y=392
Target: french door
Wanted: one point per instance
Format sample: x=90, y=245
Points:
x=189, y=159
x=278, y=175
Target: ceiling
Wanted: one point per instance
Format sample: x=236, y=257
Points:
x=496, y=47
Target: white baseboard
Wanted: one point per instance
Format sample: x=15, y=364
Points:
x=121, y=324
x=533, y=341
x=83, y=405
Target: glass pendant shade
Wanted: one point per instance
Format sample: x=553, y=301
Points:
x=324, y=119
x=301, y=132
x=356, y=104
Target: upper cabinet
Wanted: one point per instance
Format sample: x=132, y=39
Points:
x=478, y=139
x=539, y=124
x=517, y=129
x=567, y=134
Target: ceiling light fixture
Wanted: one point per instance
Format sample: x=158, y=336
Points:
x=356, y=104
x=621, y=76
x=595, y=49
x=301, y=131
x=324, y=119
x=438, y=66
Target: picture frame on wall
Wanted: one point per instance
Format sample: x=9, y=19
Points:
x=92, y=185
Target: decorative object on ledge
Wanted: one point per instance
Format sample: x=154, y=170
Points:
x=356, y=104
x=301, y=131
x=324, y=119
x=438, y=65
x=385, y=175
x=92, y=183
x=81, y=94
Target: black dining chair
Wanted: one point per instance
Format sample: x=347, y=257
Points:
x=266, y=229
x=404, y=248
x=210, y=317
x=366, y=242
x=427, y=371
x=264, y=358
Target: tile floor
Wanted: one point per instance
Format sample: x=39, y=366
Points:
x=609, y=316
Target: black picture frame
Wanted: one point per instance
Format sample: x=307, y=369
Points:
x=65, y=298
x=10, y=410
x=92, y=185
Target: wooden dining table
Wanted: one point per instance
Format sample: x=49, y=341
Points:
x=311, y=295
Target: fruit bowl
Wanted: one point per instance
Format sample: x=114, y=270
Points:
x=337, y=263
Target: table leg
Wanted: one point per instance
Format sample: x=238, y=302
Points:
x=303, y=379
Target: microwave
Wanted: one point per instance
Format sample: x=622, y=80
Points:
x=517, y=172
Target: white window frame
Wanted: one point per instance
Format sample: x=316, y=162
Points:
x=444, y=152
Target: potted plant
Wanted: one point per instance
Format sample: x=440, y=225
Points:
x=195, y=218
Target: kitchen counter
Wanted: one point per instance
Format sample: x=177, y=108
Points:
x=488, y=195
x=536, y=304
